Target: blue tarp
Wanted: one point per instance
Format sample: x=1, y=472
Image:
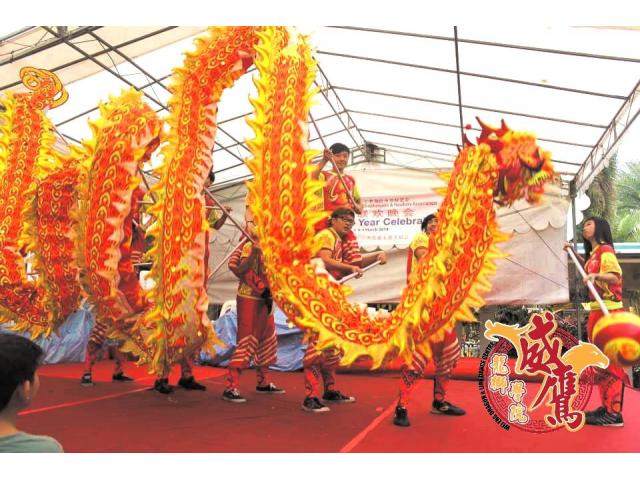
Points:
x=290, y=347
x=71, y=341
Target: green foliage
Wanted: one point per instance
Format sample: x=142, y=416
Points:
x=615, y=196
x=602, y=193
x=626, y=228
x=512, y=315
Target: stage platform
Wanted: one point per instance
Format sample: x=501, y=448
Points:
x=116, y=417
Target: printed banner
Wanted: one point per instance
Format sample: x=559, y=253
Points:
x=392, y=219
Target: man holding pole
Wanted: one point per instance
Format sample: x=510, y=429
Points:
x=443, y=345
x=256, y=337
x=340, y=191
x=329, y=246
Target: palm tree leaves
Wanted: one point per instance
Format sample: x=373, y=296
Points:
x=615, y=196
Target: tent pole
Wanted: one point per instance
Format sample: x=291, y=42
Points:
x=455, y=36
x=576, y=285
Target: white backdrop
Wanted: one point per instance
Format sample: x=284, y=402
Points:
x=535, y=272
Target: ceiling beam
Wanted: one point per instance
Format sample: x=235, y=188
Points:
x=496, y=44
x=484, y=109
x=97, y=54
x=52, y=42
x=476, y=75
x=605, y=147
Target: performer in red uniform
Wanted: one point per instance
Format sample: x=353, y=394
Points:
x=256, y=337
x=329, y=245
x=444, y=346
x=335, y=196
x=604, y=271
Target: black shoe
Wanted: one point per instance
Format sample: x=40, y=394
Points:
x=312, y=404
x=232, y=395
x=86, y=380
x=162, y=386
x=446, y=408
x=269, y=388
x=121, y=377
x=636, y=377
x=191, y=384
x=337, y=397
x=602, y=418
x=401, y=418
x=596, y=413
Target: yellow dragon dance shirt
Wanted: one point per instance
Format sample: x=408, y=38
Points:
x=603, y=260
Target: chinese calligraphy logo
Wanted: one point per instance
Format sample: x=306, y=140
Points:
x=553, y=383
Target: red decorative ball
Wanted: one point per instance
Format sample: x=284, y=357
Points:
x=618, y=336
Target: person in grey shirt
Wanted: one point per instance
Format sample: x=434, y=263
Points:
x=19, y=383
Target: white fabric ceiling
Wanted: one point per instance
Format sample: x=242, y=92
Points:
x=396, y=90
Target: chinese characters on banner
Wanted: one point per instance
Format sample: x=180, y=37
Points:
x=393, y=220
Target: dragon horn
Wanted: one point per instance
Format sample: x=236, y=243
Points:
x=485, y=127
x=503, y=128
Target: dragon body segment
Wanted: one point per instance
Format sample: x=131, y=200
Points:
x=461, y=256
x=124, y=137
x=178, y=316
x=171, y=324
x=36, y=192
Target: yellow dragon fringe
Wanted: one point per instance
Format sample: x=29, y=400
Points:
x=461, y=256
x=179, y=297
x=124, y=137
x=37, y=191
x=450, y=280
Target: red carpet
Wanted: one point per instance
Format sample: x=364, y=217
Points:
x=128, y=418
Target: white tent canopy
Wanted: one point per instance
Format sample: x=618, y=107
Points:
x=397, y=98
x=408, y=93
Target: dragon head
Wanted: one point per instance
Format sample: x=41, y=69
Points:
x=523, y=167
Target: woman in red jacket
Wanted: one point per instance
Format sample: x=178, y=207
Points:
x=604, y=271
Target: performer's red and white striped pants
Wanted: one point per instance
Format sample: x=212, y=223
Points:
x=445, y=356
x=319, y=364
x=256, y=340
x=97, y=338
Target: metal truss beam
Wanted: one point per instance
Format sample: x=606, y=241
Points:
x=496, y=44
x=249, y=113
x=335, y=111
x=52, y=42
x=97, y=54
x=451, y=125
x=411, y=138
x=483, y=109
x=394, y=148
x=476, y=75
x=10, y=36
x=455, y=34
x=151, y=77
x=599, y=156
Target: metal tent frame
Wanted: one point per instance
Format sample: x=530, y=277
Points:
x=351, y=109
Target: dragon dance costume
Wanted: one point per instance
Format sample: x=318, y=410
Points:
x=322, y=364
x=610, y=381
x=335, y=196
x=443, y=345
x=256, y=337
x=132, y=252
